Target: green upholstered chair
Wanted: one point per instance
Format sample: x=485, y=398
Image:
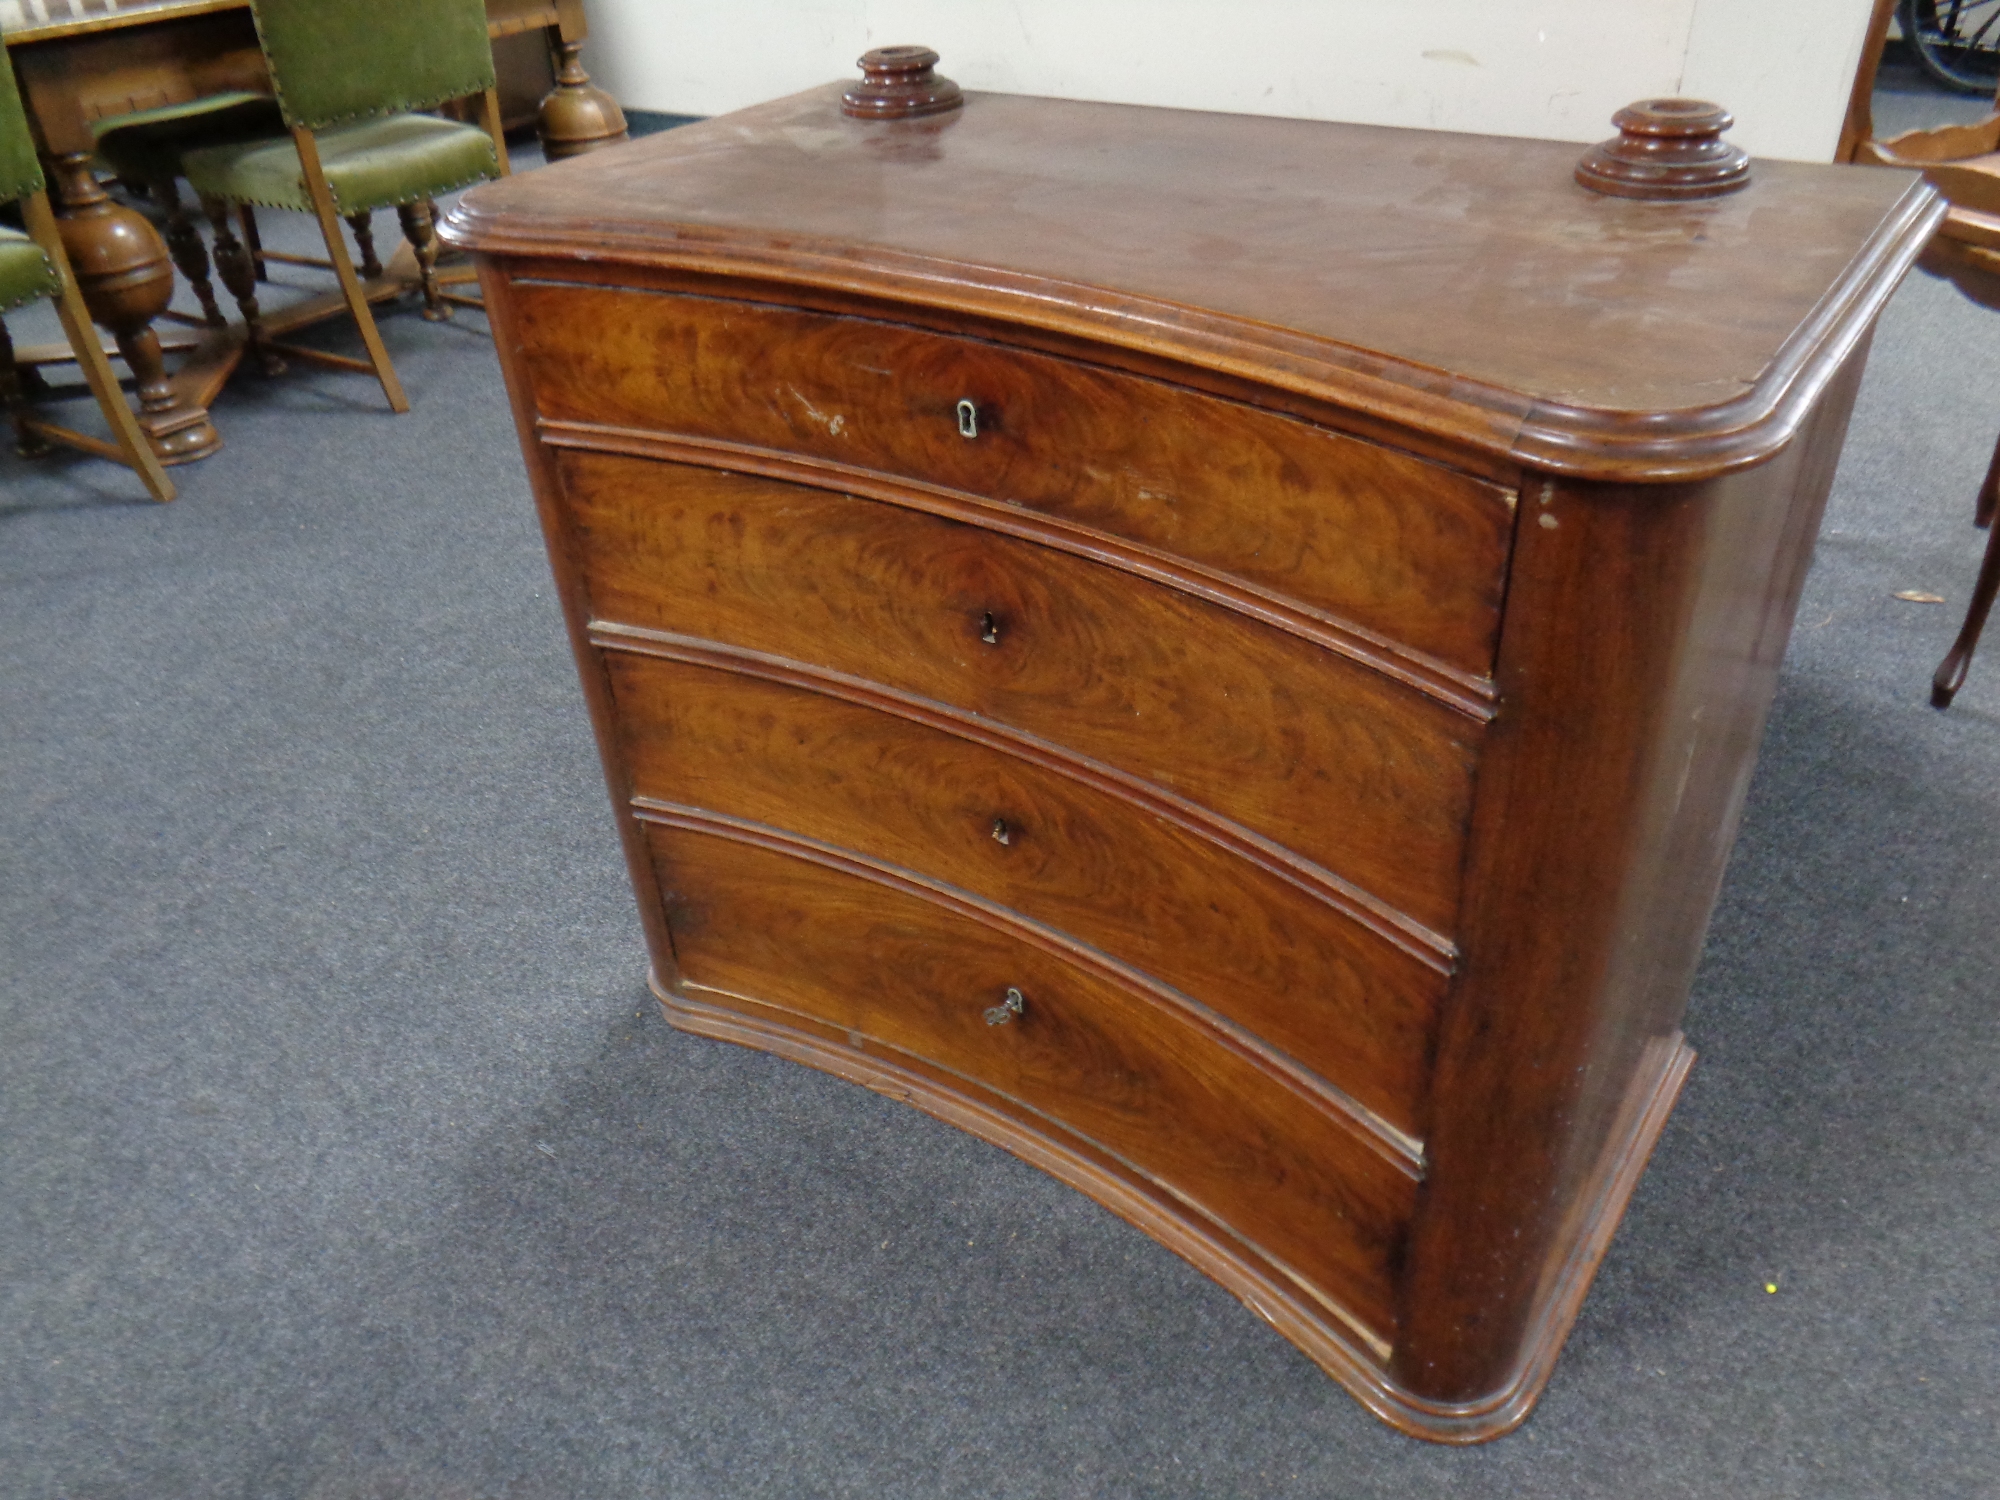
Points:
x=350, y=78
x=145, y=148
x=34, y=266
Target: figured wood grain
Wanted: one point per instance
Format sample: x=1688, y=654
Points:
x=1664, y=386
x=1363, y=776
x=1408, y=549
x=1430, y=948
x=1232, y=1140
x=1254, y=947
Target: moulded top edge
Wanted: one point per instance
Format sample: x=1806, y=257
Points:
x=1464, y=285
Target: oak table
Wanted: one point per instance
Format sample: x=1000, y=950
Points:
x=79, y=61
x=1220, y=654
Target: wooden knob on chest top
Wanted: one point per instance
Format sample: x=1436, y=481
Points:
x=896, y=83
x=1666, y=149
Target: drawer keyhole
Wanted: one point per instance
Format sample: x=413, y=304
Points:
x=1015, y=1004
x=968, y=420
x=989, y=629
x=1002, y=834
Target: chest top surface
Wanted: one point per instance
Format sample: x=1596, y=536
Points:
x=1461, y=282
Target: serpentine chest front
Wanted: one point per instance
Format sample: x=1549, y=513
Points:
x=1219, y=654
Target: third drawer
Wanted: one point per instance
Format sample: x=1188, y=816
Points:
x=1252, y=945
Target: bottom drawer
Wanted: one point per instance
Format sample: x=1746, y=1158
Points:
x=1221, y=1134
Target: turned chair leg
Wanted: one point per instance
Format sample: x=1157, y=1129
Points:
x=1951, y=671
x=239, y=274
x=419, y=228
x=363, y=225
x=184, y=242
x=246, y=216
x=14, y=400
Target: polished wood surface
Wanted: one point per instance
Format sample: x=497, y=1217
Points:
x=1247, y=938
x=1459, y=284
x=129, y=444
x=1241, y=1142
x=1221, y=655
x=1301, y=513
x=1666, y=151
x=1360, y=776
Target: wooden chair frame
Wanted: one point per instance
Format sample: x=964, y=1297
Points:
x=1963, y=163
x=342, y=264
x=130, y=447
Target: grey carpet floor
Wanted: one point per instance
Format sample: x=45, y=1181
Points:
x=344, y=1156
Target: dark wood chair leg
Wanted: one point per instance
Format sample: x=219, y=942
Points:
x=246, y=216
x=239, y=274
x=184, y=243
x=14, y=400
x=1951, y=671
x=1989, y=492
x=363, y=225
x=419, y=228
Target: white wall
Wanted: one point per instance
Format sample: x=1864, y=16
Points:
x=1550, y=68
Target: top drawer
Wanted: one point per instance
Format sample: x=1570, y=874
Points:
x=1407, y=549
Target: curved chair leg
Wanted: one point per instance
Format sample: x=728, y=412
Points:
x=419, y=221
x=1951, y=671
x=1989, y=492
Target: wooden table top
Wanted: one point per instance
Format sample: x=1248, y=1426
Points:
x=23, y=21
x=1459, y=281
x=44, y=20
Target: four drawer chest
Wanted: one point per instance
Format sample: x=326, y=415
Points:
x=1220, y=654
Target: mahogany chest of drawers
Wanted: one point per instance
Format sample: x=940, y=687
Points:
x=1220, y=654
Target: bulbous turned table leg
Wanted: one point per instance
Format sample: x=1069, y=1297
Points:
x=576, y=116
x=126, y=280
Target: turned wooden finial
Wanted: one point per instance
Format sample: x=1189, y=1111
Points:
x=897, y=82
x=1667, y=149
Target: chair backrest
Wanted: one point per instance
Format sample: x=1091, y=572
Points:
x=20, y=172
x=334, y=61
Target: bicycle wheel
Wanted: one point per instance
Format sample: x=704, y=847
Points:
x=1957, y=41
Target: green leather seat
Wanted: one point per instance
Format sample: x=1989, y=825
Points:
x=25, y=273
x=373, y=164
x=351, y=79
x=146, y=146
